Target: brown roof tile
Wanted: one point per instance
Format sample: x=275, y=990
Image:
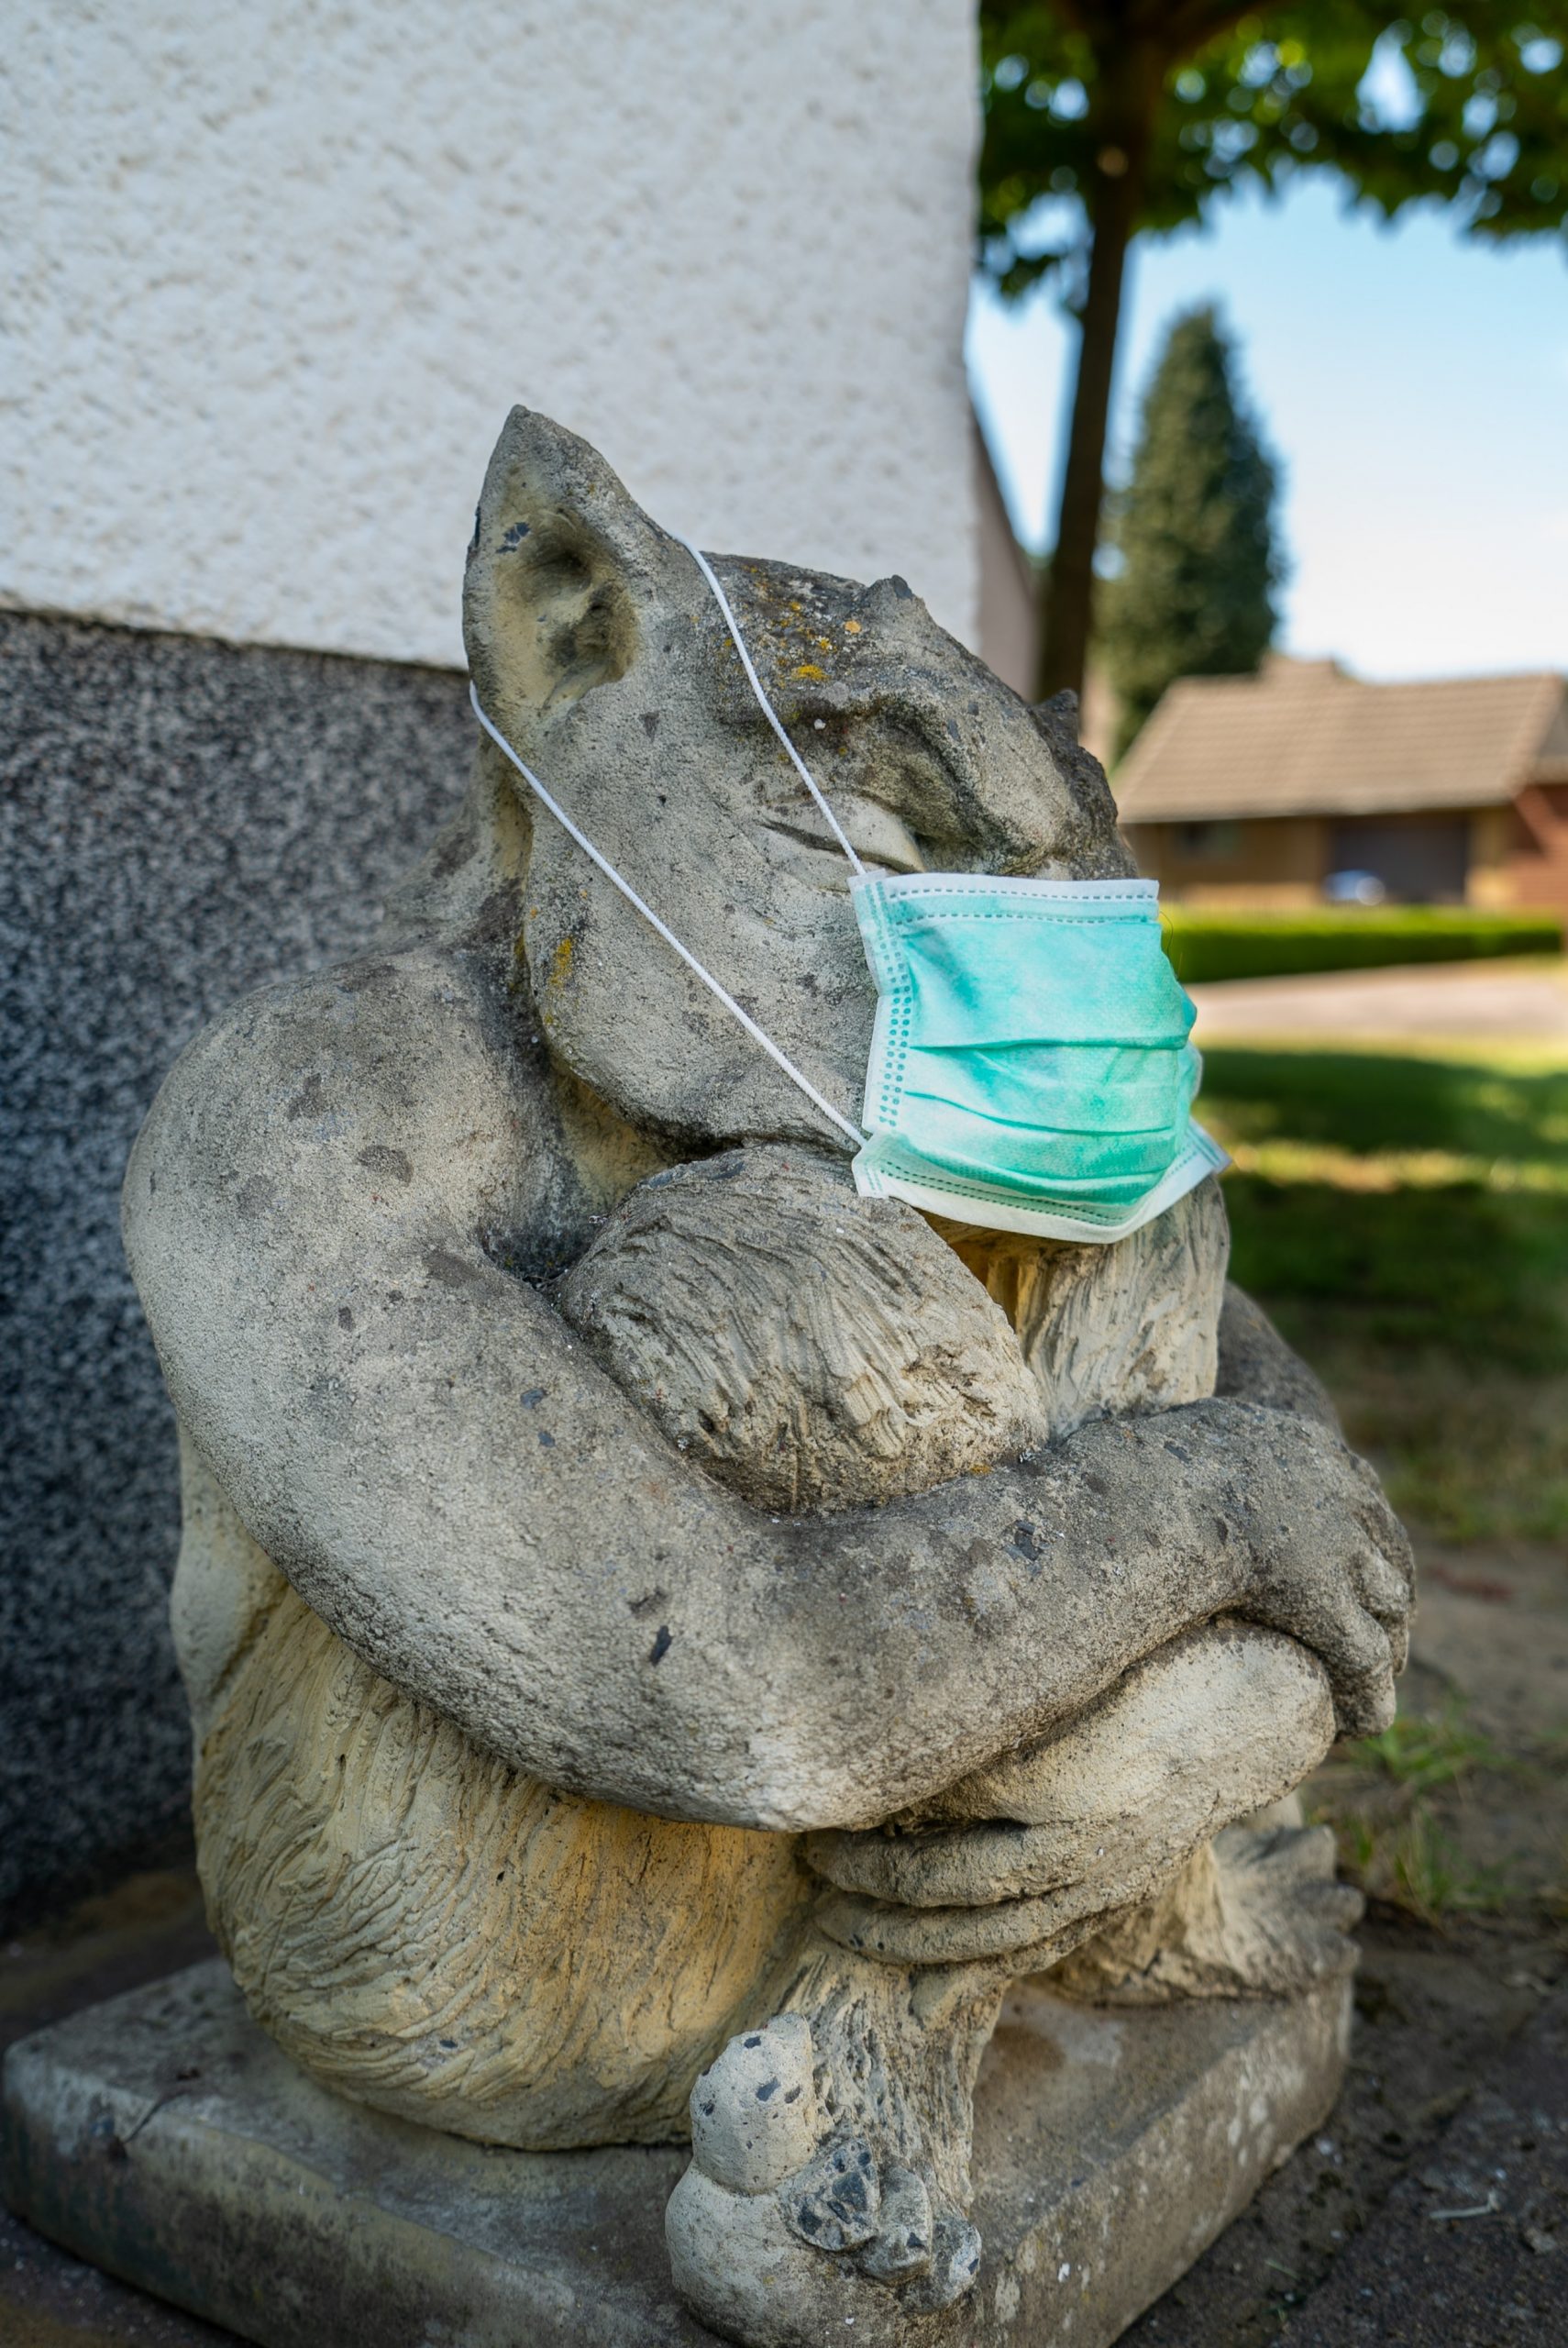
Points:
x=1302, y=738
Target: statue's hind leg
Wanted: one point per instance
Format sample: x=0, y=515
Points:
x=830, y=2172
x=1259, y=1913
x=829, y=2175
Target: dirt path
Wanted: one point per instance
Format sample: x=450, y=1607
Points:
x=1459, y=2070
x=1522, y=1004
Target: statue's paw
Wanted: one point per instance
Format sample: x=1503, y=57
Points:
x=1257, y=1914
x=1288, y=1917
x=786, y=2228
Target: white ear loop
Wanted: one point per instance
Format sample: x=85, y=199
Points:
x=731, y=1005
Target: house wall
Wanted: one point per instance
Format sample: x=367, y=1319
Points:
x=1533, y=865
x=179, y=821
x=1491, y=848
x=1517, y=856
x=1277, y=860
x=281, y=273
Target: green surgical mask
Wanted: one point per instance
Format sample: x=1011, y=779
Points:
x=1029, y=1064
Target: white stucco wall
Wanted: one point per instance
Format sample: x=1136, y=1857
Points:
x=280, y=271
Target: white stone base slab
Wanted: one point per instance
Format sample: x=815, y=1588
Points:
x=164, y=2137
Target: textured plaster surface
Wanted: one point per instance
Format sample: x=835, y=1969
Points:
x=280, y=273
x=167, y=2139
x=179, y=822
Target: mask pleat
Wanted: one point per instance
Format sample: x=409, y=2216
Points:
x=1030, y=1049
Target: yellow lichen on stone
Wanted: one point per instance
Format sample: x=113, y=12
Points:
x=810, y=668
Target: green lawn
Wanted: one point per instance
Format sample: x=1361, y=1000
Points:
x=1404, y=1219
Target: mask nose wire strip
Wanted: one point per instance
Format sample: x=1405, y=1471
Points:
x=835, y=826
x=794, y=1074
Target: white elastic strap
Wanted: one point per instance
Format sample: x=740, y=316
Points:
x=835, y=826
x=649, y=915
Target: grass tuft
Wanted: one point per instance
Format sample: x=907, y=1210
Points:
x=1377, y=1793
x=1420, y=1751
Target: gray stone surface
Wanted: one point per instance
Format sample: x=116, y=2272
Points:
x=339, y=1209
x=179, y=821
x=163, y=2136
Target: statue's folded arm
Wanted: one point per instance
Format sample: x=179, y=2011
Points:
x=449, y=1477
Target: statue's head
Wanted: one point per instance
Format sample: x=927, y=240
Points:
x=600, y=652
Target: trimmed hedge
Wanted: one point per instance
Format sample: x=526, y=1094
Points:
x=1211, y=944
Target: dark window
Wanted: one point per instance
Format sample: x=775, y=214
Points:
x=1420, y=859
x=1209, y=842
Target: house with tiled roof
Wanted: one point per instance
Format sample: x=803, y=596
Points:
x=1258, y=790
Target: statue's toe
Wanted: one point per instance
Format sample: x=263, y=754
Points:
x=954, y=2263
x=902, y=2245
x=835, y=2201
x=754, y=2118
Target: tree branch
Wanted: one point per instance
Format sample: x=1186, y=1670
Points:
x=1192, y=24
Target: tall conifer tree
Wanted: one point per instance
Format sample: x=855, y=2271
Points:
x=1194, y=528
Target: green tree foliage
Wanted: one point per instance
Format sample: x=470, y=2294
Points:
x=1194, y=596
x=1107, y=119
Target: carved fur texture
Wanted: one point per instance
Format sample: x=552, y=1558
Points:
x=428, y=1931
x=812, y=1349
x=817, y=1350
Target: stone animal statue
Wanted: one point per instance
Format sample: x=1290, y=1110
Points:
x=671, y=1640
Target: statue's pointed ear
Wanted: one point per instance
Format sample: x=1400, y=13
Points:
x=564, y=574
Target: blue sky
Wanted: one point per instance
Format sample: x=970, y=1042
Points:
x=1415, y=388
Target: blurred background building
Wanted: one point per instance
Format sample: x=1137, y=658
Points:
x=1273, y=788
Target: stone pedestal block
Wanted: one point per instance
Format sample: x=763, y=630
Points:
x=164, y=2137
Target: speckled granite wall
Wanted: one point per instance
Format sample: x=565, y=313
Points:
x=179, y=821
